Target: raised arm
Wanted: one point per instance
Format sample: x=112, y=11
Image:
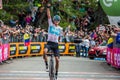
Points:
x=48, y=11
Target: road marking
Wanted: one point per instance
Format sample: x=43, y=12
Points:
x=9, y=71
x=41, y=78
x=42, y=74
x=16, y=78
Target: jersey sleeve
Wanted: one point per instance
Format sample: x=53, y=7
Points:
x=50, y=21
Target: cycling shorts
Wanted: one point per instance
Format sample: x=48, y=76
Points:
x=54, y=47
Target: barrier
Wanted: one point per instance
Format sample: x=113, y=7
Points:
x=4, y=52
x=1, y=48
x=13, y=50
x=37, y=48
x=62, y=48
x=23, y=50
x=118, y=58
x=115, y=57
x=113, y=54
x=71, y=48
x=109, y=51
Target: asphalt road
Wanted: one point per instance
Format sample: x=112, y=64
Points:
x=71, y=68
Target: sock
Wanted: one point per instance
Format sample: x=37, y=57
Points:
x=46, y=63
x=56, y=73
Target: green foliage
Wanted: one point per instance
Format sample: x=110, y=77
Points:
x=12, y=8
x=5, y=16
x=66, y=10
x=64, y=24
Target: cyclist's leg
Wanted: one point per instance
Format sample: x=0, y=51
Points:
x=45, y=57
x=56, y=65
x=57, y=55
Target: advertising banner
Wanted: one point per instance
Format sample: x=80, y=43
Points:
x=111, y=8
x=115, y=57
x=108, y=55
x=62, y=48
x=1, y=48
x=35, y=48
x=118, y=58
x=5, y=51
x=22, y=49
x=71, y=48
x=112, y=57
x=1, y=4
x=13, y=49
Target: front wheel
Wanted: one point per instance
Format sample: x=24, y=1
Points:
x=51, y=70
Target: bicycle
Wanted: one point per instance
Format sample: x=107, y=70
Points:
x=51, y=66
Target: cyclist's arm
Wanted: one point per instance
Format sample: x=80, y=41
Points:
x=48, y=11
x=49, y=15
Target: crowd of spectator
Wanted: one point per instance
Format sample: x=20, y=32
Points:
x=17, y=28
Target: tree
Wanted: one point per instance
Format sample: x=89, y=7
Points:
x=67, y=9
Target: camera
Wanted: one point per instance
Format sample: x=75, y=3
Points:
x=118, y=23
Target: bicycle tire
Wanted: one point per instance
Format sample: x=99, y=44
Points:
x=51, y=70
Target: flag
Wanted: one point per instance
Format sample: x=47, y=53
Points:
x=26, y=39
x=110, y=42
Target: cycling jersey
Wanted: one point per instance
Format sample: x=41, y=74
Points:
x=53, y=32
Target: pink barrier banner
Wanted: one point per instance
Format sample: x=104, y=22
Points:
x=5, y=51
x=1, y=48
x=112, y=56
x=115, y=57
x=118, y=58
x=109, y=55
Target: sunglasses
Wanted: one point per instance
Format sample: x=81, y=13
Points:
x=56, y=20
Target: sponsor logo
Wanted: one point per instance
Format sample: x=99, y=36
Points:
x=108, y=3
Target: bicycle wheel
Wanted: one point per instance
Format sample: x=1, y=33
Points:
x=51, y=70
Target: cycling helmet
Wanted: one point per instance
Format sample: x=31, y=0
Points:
x=56, y=18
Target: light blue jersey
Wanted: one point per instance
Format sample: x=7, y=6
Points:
x=53, y=32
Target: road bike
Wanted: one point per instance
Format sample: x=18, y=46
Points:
x=51, y=66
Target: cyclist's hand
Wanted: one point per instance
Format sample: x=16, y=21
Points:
x=48, y=4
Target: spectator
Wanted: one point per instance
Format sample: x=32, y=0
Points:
x=67, y=32
x=1, y=40
x=86, y=46
x=28, y=19
x=12, y=22
x=1, y=23
x=21, y=20
x=92, y=43
x=77, y=41
x=6, y=35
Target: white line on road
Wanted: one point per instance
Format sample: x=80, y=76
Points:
x=9, y=71
x=13, y=78
x=43, y=74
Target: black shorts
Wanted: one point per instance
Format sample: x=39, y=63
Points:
x=54, y=47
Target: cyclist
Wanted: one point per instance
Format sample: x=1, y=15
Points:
x=54, y=32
